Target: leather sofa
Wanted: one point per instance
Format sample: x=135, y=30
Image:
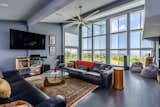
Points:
x=91, y=72
x=22, y=90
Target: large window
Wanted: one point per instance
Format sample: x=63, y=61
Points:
x=125, y=38
x=118, y=40
x=94, y=42
x=87, y=43
x=71, y=47
x=99, y=42
x=139, y=48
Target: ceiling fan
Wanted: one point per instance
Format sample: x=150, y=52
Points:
x=78, y=20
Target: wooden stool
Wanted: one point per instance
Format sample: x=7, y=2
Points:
x=118, y=78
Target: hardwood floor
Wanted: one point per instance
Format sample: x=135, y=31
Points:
x=138, y=92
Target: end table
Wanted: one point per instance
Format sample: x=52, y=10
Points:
x=118, y=78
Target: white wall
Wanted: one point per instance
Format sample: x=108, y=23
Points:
x=152, y=19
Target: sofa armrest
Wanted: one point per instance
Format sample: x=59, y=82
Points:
x=9, y=74
x=106, y=76
x=106, y=72
x=56, y=101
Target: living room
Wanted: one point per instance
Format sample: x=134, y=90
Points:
x=79, y=53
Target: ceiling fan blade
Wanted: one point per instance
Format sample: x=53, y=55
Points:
x=68, y=21
x=92, y=14
x=78, y=15
x=83, y=23
x=74, y=19
x=72, y=24
x=77, y=28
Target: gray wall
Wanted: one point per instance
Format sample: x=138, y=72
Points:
x=8, y=56
x=47, y=29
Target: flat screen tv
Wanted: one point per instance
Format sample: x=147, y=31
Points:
x=26, y=40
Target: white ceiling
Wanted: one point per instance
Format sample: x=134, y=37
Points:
x=69, y=11
x=121, y=8
x=20, y=10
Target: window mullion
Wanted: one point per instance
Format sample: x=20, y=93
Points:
x=128, y=34
x=92, y=44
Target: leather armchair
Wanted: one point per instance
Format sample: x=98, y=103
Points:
x=22, y=90
x=57, y=101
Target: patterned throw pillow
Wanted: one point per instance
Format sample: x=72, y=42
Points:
x=5, y=89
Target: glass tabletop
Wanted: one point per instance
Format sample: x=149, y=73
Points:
x=52, y=74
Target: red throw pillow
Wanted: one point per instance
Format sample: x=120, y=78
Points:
x=88, y=64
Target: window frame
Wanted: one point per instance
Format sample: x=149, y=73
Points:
x=108, y=35
x=70, y=47
x=118, y=33
x=141, y=35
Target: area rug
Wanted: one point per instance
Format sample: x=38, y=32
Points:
x=74, y=90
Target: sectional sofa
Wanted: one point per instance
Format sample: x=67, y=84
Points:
x=22, y=90
x=93, y=72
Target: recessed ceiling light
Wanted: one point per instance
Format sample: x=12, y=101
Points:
x=3, y=4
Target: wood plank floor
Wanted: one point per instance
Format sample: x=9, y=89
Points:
x=138, y=92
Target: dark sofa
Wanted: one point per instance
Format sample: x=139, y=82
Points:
x=22, y=90
x=91, y=72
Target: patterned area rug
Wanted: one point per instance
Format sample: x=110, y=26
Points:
x=74, y=90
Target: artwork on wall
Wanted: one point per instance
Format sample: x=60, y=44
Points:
x=52, y=45
x=52, y=40
x=52, y=50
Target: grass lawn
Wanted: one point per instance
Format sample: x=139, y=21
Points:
x=115, y=60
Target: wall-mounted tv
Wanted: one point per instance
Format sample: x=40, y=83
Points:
x=26, y=40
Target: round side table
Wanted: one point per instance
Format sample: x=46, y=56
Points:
x=118, y=78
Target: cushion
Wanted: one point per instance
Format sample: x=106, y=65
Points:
x=83, y=67
x=79, y=71
x=93, y=73
x=97, y=67
x=5, y=89
x=70, y=64
x=75, y=70
x=90, y=65
x=105, y=67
